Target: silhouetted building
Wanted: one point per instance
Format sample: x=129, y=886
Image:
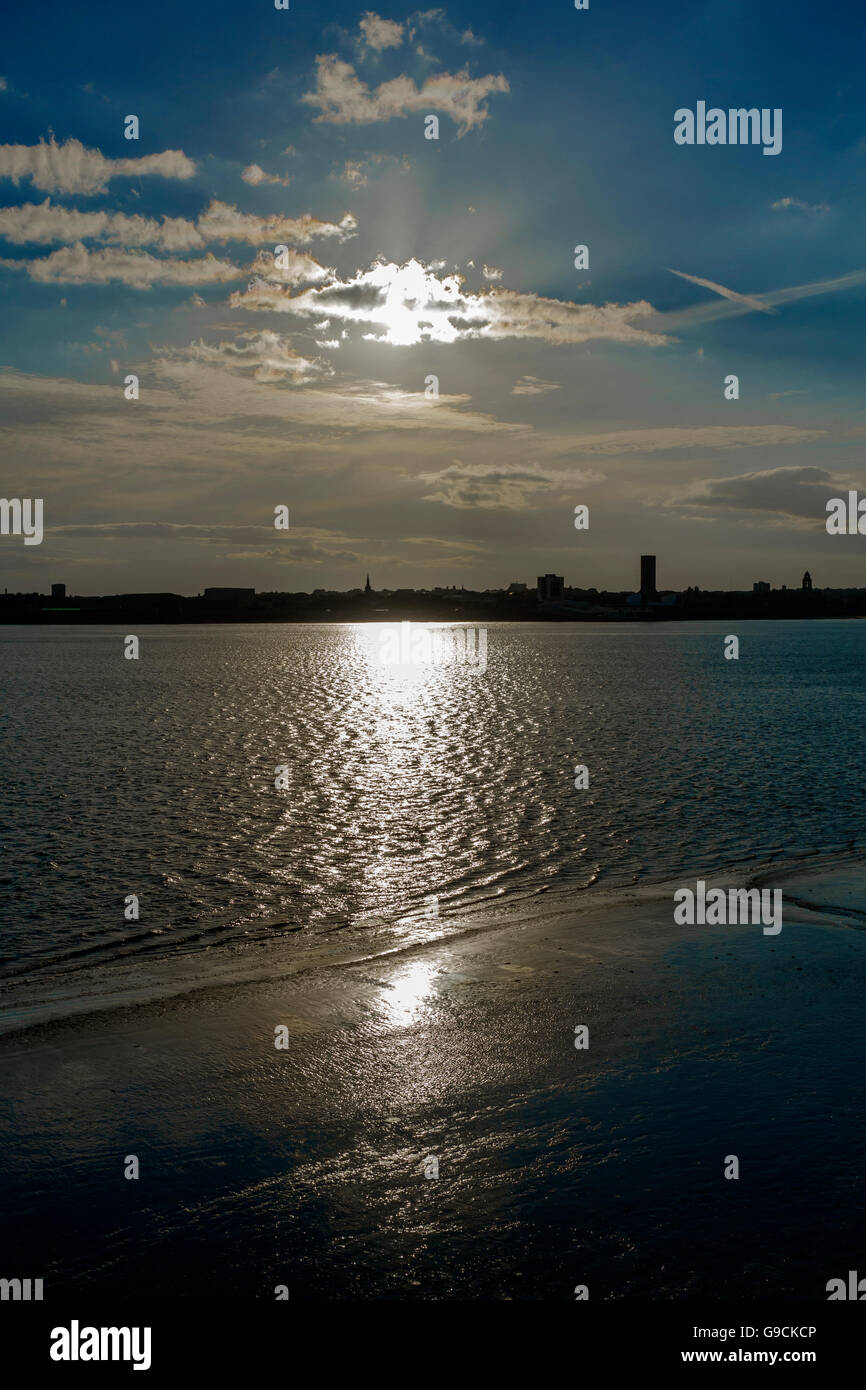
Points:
x=807, y=580
x=230, y=595
x=648, y=579
x=760, y=587
x=367, y=587
x=550, y=587
x=58, y=591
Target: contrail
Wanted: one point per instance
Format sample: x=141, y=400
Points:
x=748, y=300
x=736, y=304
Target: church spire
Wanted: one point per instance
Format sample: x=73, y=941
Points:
x=367, y=588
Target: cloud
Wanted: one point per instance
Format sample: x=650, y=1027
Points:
x=254, y=174
x=43, y=223
x=380, y=33
x=509, y=487
x=341, y=98
x=137, y=269
x=248, y=417
x=265, y=356
x=71, y=168
x=295, y=268
x=490, y=272
x=437, y=19
x=355, y=171
x=207, y=425
x=310, y=543
x=798, y=493
x=784, y=204
x=410, y=304
x=518, y=486
x=533, y=386
x=652, y=441
x=224, y=222
x=208, y=388
x=748, y=300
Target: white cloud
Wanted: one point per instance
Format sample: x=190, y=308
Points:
x=203, y=392
x=490, y=272
x=410, y=304
x=296, y=268
x=343, y=99
x=784, y=204
x=71, y=168
x=533, y=386
x=224, y=222
x=46, y=222
x=254, y=174
x=355, y=171
x=43, y=223
x=380, y=33
x=266, y=356
x=137, y=269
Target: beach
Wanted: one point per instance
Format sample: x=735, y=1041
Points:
x=304, y=1166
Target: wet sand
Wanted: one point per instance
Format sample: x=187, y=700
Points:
x=557, y=1166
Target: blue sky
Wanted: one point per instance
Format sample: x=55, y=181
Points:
x=306, y=387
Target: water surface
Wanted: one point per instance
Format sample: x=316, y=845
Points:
x=418, y=797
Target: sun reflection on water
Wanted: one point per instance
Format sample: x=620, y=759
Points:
x=408, y=995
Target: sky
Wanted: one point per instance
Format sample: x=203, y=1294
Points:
x=422, y=375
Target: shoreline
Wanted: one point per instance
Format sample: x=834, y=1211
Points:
x=119, y=986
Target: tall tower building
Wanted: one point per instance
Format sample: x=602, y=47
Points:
x=551, y=587
x=648, y=592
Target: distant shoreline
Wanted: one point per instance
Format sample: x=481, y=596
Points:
x=175, y=610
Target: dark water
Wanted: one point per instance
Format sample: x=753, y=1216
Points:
x=156, y=778
x=303, y=1168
